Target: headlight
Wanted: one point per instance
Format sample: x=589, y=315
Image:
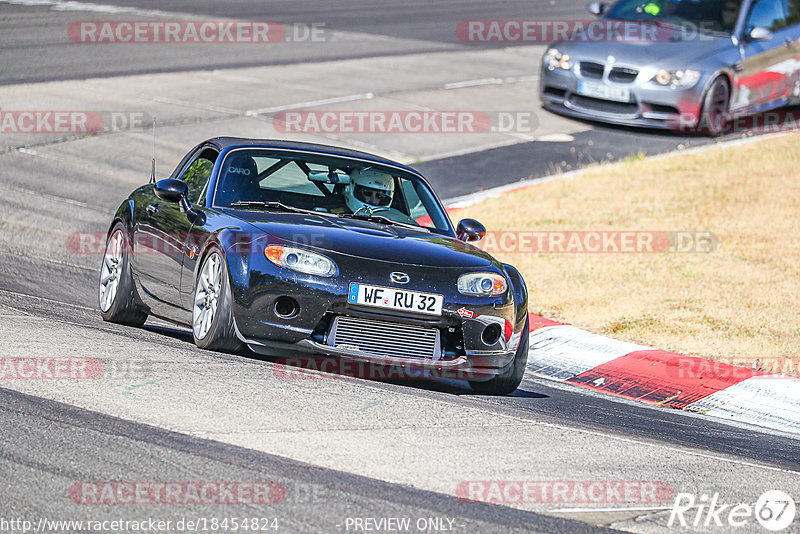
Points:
x=300, y=260
x=482, y=284
x=676, y=78
x=553, y=59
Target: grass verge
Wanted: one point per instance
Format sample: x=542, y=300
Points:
x=739, y=303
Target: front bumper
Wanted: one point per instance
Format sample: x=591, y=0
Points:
x=649, y=107
x=462, y=347
x=456, y=358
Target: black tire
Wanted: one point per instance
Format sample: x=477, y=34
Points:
x=714, y=114
x=508, y=381
x=221, y=334
x=124, y=307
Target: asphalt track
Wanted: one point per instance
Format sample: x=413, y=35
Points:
x=34, y=47
x=98, y=447
x=342, y=447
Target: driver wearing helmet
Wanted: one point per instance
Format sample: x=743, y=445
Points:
x=371, y=192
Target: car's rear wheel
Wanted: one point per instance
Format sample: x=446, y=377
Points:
x=510, y=379
x=117, y=294
x=714, y=114
x=212, y=310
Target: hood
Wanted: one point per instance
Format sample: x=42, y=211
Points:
x=371, y=241
x=669, y=49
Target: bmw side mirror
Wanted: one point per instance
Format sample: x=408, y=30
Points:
x=171, y=190
x=470, y=230
x=597, y=8
x=759, y=33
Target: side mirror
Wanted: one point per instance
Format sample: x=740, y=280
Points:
x=597, y=8
x=171, y=190
x=759, y=33
x=470, y=230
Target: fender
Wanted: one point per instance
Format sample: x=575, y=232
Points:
x=520, y=292
x=124, y=215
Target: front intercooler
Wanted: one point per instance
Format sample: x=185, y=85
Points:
x=384, y=338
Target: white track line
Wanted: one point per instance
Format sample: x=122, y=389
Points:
x=311, y=103
x=490, y=81
x=66, y=5
x=589, y=510
x=195, y=105
x=43, y=299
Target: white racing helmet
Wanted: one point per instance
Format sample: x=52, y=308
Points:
x=369, y=189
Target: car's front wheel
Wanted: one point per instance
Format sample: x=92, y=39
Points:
x=714, y=115
x=509, y=380
x=212, y=310
x=117, y=294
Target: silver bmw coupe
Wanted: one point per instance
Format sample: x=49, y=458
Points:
x=692, y=64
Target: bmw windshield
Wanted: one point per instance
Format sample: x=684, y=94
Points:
x=253, y=178
x=703, y=16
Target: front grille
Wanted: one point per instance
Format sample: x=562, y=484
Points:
x=384, y=338
x=591, y=70
x=622, y=75
x=605, y=106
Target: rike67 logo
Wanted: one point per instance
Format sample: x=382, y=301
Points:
x=775, y=510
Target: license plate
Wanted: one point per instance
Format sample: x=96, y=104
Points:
x=395, y=299
x=604, y=92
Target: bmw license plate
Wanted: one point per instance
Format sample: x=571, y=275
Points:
x=604, y=92
x=395, y=299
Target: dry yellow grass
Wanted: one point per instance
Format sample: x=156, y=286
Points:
x=738, y=304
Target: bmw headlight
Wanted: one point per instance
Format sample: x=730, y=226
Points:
x=553, y=59
x=302, y=261
x=681, y=78
x=482, y=284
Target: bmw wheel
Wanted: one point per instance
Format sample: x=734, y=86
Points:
x=510, y=379
x=117, y=294
x=212, y=310
x=714, y=113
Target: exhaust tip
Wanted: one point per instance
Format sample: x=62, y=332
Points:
x=491, y=334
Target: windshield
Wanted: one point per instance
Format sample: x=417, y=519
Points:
x=714, y=15
x=253, y=178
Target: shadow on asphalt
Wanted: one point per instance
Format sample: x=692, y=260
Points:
x=321, y=364
x=778, y=120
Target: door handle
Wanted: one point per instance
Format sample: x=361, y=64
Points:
x=152, y=209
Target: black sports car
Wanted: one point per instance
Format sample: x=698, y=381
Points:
x=294, y=248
